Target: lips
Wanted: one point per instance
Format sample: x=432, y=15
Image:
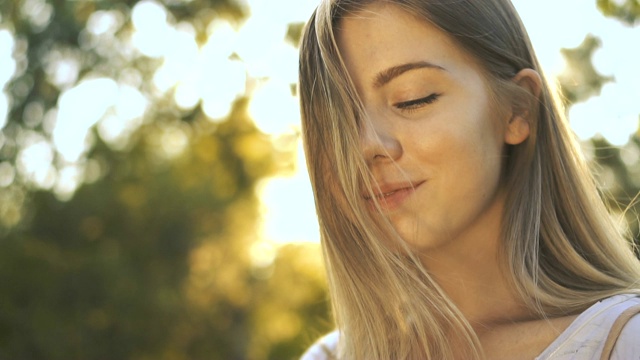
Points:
x=391, y=196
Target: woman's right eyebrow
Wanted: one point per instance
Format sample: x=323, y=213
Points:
x=385, y=76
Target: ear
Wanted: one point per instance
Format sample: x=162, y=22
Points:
x=518, y=127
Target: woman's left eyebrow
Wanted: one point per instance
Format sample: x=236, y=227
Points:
x=391, y=73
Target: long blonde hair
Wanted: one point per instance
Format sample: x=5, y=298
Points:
x=560, y=245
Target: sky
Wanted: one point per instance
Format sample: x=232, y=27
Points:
x=115, y=107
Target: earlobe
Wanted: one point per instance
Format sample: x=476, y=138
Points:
x=519, y=125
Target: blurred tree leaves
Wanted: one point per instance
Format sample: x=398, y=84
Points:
x=616, y=168
x=158, y=254
x=580, y=80
x=627, y=11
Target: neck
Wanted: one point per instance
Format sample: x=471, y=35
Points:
x=469, y=270
x=481, y=292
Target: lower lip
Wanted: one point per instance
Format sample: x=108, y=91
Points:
x=395, y=200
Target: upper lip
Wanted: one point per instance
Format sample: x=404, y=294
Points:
x=385, y=189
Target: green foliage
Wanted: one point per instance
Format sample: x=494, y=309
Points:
x=628, y=11
x=616, y=169
x=294, y=33
x=151, y=261
x=580, y=80
x=151, y=258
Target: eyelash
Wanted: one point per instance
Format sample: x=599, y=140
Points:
x=417, y=103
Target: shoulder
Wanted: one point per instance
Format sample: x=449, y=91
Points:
x=585, y=337
x=628, y=343
x=323, y=349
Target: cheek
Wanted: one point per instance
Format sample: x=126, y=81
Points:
x=484, y=158
x=464, y=145
x=471, y=159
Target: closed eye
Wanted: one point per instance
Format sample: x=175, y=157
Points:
x=416, y=103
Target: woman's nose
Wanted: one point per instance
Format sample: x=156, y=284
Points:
x=379, y=143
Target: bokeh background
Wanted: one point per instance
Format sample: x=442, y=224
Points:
x=154, y=202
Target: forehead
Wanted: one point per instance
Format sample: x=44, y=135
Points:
x=382, y=35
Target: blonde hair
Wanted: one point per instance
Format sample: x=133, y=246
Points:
x=560, y=245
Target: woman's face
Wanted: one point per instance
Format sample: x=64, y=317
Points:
x=432, y=139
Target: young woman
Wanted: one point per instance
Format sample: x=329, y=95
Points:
x=458, y=218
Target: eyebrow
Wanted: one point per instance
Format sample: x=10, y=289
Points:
x=385, y=76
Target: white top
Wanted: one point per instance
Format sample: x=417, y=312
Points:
x=582, y=340
x=585, y=337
